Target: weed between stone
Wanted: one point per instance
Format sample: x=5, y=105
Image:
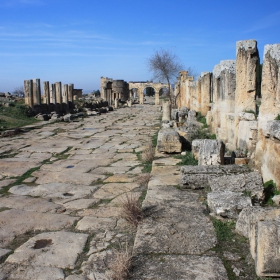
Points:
x=187, y=159
x=131, y=210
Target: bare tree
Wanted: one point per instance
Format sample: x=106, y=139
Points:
x=165, y=66
x=18, y=92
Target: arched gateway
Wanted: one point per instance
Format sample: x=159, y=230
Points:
x=141, y=86
x=119, y=89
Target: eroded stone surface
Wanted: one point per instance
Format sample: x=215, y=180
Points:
x=14, y=222
x=49, y=249
x=227, y=204
x=171, y=267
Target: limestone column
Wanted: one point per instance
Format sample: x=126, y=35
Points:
x=36, y=91
x=58, y=92
x=47, y=92
x=270, y=102
x=28, y=93
x=141, y=97
x=166, y=111
x=65, y=94
x=53, y=94
x=116, y=103
x=157, y=97
x=247, y=60
x=70, y=92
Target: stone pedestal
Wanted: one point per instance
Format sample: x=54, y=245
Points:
x=166, y=111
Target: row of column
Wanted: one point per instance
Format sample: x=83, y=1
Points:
x=53, y=93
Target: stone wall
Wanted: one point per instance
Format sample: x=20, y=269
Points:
x=240, y=105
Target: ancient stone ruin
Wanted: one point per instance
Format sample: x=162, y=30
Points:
x=119, y=89
x=56, y=97
x=241, y=102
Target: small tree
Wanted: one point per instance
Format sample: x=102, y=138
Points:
x=19, y=92
x=165, y=65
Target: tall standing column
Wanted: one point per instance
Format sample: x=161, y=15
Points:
x=65, y=94
x=34, y=90
x=58, y=92
x=47, y=92
x=28, y=92
x=53, y=94
x=70, y=92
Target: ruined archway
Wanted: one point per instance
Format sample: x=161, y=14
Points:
x=143, y=85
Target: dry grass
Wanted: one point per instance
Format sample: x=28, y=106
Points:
x=120, y=265
x=131, y=209
x=148, y=155
x=143, y=179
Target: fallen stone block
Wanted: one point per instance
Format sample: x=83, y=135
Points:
x=197, y=177
x=227, y=204
x=209, y=152
x=248, y=219
x=251, y=184
x=169, y=141
x=267, y=259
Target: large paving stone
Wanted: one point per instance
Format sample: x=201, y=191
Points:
x=175, y=230
x=30, y=204
x=14, y=167
x=57, y=191
x=69, y=176
x=171, y=267
x=51, y=249
x=14, y=222
x=111, y=190
x=96, y=224
x=16, y=272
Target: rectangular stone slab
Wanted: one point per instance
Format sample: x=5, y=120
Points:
x=171, y=267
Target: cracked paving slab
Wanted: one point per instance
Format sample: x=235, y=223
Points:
x=15, y=222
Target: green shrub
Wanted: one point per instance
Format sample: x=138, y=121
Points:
x=270, y=190
x=188, y=159
x=223, y=229
x=278, y=118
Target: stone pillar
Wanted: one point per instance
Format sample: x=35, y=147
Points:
x=166, y=111
x=267, y=157
x=116, y=103
x=247, y=61
x=157, y=97
x=53, y=93
x=206, y=79
x=70, y=92
x=223, y=102
x=36, y=92
x=65, y=94
x=141, y=96
x=270, y=102
x=28, y=92
x=47, y=92
x=58, y=92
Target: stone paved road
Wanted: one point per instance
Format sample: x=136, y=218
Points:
x=61, y=186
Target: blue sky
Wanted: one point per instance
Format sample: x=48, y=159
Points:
x=78, y=41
